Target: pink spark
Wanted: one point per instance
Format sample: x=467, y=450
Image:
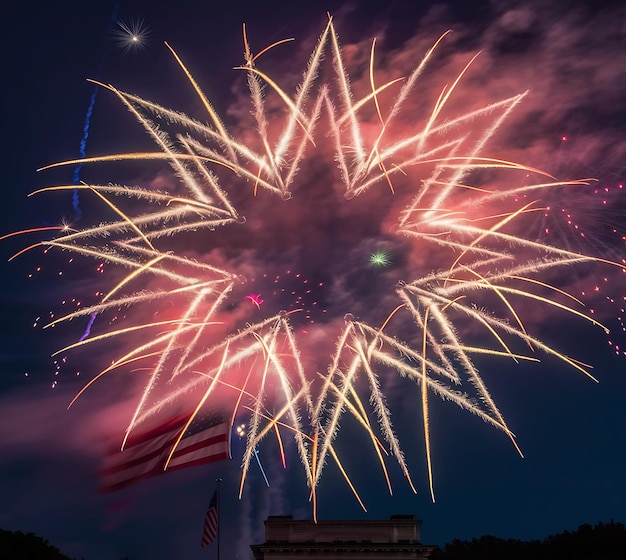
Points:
x=255, y=299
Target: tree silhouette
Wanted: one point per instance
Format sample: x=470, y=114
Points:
x=15, y=545
x=604, y=541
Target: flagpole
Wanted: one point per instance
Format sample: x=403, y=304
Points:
x=219, y=517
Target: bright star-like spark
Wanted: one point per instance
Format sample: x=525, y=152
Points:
x=131, y=35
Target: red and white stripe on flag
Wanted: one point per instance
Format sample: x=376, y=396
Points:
x=145, y=454
x=209, y=531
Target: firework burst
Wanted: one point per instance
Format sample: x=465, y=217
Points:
x=201, y=343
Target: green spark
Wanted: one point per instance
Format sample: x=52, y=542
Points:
x=380, y=259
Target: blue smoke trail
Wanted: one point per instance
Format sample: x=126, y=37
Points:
x=87, y=332
x=76, y=179
x=82, y=149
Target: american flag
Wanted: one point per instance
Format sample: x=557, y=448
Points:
x=209, y=531
x=145, y=454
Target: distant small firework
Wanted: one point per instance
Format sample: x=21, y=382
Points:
x=380, y=259
x=131, y=35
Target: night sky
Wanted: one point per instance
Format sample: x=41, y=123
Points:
x=312, y=252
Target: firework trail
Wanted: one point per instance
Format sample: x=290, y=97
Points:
x=195, y=348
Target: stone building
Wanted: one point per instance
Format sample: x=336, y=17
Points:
x=395, y=539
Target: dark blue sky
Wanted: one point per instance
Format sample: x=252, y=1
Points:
x=571, y=430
